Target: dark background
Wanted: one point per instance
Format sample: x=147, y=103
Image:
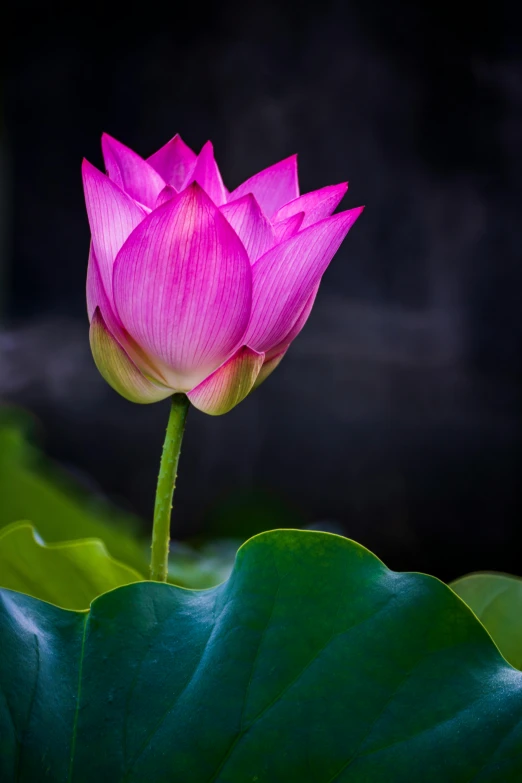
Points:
x=396, y=414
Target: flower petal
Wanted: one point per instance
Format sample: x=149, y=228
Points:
x=206, y=173
x=182, y=287
x=316, y=205
x=166, y=194
x=287, y=228
x=118, y=369
x=112, y=216
x=272, y=187
x=295, y=328
x=285, y=277
x=269, y=367
x=229, y=384
x=97, y=298
x=175, y=162
x=251, y=226
x=130, y=172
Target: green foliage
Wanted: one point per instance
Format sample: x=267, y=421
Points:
x=30, y=488
x=205, y=566
x=70, y=575
x=312, y=663
x=33, y=489
x=496, y=599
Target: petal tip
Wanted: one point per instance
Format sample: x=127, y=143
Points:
x=88, y=168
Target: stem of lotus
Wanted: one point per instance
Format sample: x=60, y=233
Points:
x=165, y=489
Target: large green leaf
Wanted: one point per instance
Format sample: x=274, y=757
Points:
x=31, y=488
x=312, y=663
x=496, y=599
x=70, y=574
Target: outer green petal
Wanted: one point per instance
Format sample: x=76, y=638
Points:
x=269, y=367
x=229, y=384
x=118, y=369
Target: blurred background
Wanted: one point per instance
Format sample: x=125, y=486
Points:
x=395, y=417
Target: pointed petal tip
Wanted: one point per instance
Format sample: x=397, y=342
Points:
x=286, y=276
x=248, y=198
x=273, y=187
x=250, y=224
x=194, y=192
x=348, y=215
x=89, y=168
x=108, y=142
x=286, y=228
x=174, y=161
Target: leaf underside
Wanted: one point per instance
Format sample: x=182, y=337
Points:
x=70, y=574
x=496, y=599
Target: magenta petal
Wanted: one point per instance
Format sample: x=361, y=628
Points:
x=97, y=299
x=251, y=226
x=229, y=384
x=112, y=216
x=296, y=327
x=130, y=172
x=166, y=194
x=316, y=205
x=287, y=228
x=272, y=187
x=206, y=173
x=182, y=287
x=96, y=293
x=175, y=162
x=117, y=367
x=285, y=277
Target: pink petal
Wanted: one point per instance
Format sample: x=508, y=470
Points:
x=251, y=226
x=97, y=299
x=296, y=327
x=130, y=172
x=287, y=228
x=112, y=216
x=316, y=205
x=166, y=194
x=175, y=162
x=96, y=294
x=272, y=187
x=285, y=277
x=206, y=173
x=182, y=287
x=269, y=367
x=118, y=369
x=229, y=384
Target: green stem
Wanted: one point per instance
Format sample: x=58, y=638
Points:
x=165, y=489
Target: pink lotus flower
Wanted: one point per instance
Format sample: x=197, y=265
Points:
x=194, y=289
